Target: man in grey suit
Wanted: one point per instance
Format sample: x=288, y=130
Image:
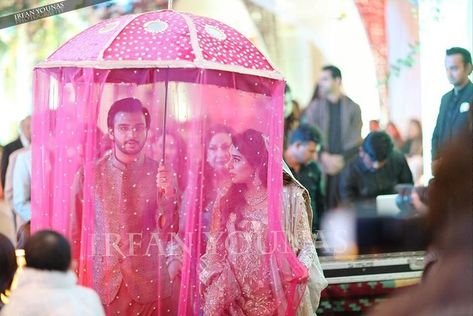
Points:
x=339, y=120
x=455, y=104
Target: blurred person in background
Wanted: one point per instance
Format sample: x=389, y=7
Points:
x=413, y=144
x=9, y=179
x=7, y=266
x=376, y=171
x=13, y=150
x=412, y=148
x=18, y=193
x=393, y=131
x=317, y=95
x=292, y=114
x=1, y=154
x=339, y=120
x=454, y=106
x=291, y=122
x=374, y=126
x=216, y=176
x=301, y=157
x=22, y=194
x=446, y=287
x=23, y=140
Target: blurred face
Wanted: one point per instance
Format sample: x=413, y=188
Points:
x=413, y=131
x=26, y=128
x=374, y=126
x=327, y=84
x=240, y=169
x=171, y=150
x=218, y=152
x=369, y=163
x=129, y=132
x=457, y=71
x=304, y=152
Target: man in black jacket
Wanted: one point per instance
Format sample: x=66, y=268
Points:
x=22, y=141
x=301, y=156
x=376, y=171
x=455, y=104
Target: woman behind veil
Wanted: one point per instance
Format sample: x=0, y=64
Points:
x=240, y=274
x=218, y=141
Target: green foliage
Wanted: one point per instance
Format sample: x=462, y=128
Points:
x=403, y=63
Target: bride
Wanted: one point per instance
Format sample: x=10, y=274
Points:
x=239, y=275
x=235, y=280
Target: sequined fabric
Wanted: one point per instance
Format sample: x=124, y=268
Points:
x=129, y=250
x=236, y=276
x=154, y=38
x=297, y=213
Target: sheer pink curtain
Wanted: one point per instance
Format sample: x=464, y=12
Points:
x=159, y=240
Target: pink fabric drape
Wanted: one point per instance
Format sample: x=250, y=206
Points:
x=373, y=14
x=97, y=179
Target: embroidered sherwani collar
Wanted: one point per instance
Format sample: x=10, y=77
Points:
x=123, y=166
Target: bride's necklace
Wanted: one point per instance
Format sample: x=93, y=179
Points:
x=257, y=199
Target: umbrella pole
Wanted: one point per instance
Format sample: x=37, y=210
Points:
x=169, y=4
x=163, y=158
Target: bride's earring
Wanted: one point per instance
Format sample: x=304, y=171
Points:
x=256, y=180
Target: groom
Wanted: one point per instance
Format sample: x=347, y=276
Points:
x=135, y=211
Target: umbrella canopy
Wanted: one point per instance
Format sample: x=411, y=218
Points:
x=163, y=39
x=107, y=104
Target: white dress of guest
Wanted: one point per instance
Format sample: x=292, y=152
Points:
x=51, y=293
x=22, y=187
x=8, y=191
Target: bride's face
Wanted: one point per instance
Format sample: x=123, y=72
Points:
x=239, y=168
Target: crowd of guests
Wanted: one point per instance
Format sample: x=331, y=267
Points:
x=329, y=165
x=327, y=154
x=348, y=170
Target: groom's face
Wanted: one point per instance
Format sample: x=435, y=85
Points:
x=129, y=132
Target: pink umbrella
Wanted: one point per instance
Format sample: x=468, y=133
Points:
x=192, y=91
x=162, y=39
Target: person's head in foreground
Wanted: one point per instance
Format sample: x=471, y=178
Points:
x=7, y=264
x=447, y=288
x=48, y=250
x=47, y=286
